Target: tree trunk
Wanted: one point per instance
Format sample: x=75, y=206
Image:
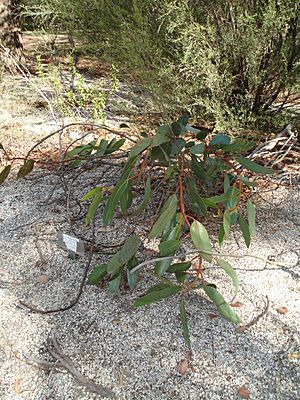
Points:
x=10, y=35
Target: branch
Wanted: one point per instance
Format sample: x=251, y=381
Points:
x=183, y=256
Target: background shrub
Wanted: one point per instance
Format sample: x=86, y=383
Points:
x=227, y=60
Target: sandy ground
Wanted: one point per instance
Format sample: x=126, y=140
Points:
x=136, y=352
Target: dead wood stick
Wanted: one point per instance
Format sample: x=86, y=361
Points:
x=255, y=319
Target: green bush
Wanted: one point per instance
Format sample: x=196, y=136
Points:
x=179, y=166
x=227, y=59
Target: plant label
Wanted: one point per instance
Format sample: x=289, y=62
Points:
x=72, y=244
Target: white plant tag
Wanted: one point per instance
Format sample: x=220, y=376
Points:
x=71, y=243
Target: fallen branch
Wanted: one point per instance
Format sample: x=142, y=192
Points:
x=63, y=361
x=242, y=328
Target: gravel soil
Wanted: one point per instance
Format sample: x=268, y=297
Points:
x=140, y=353
x=136, y=353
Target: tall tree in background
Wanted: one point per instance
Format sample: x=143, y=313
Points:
x=10, y=36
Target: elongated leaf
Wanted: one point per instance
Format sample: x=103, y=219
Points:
x=180, y=277
x=91, y=193
x=177, y=146
x=180, y=267
x=165, y=217
x=184, y=323
x=178, y=128
x=156, y=295
x=226, y=223
x=231, y=272
x=93, y=207
x=114, y=284
x=157, y=287
x=238, y=147
x=4, y=173
x=114, y=145
x=168, y=247
x=223, y=307
x=101, y=149
x=130, y=247
x=245, y=230
x=132, y=278
x=146, y=200
x=226, y=183
x=200, y=238
x=198, y=148
x=220, y=139
x=126, y=198
x=252, y=166
x=121, y=257
x=97, y=275
x=251, y=218
x=218, y=199
x=164, y=135
x=110, y=207
x=221, y=235
x=139, y=148
x=196, y=201
x=26, y=168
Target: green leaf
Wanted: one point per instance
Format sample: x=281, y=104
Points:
x=197, y=168
x=200, y=238
x=253, y=167
x=180, y=277
x=93, y=208
x=164, y=135
x=184, y=323
x=184, y=119
x=132, y=278
x=177, y=146
x=226, y=223
x=146, y=199
x=226, y=183
x=251, y=218
x=139, y=148
x=179, y=267
x=238, y=147
x=165, y=217
x=121, y=257
x=231, y=272
x=196, y=201
x=198, y=148
x=101, y=148
x=114, y=284
x=91, y=193
x=223, y=307
x=221, y=235
x=111, y=204
x=156, y=295
x=126, y=198
x=168, y=247
x=158, y=286
x=97, y=275
x=82, y=150
x=178, y=128
x=202, y=134
x=114, y=145
x=4, y=173
x=220, y=139
x=218, y=199
x=26, y=168
x=245, y=230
